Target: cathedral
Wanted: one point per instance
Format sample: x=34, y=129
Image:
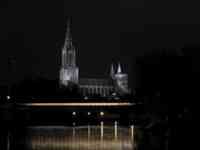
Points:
x=115, y=83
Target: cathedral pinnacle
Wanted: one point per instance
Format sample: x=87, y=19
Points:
x=68, y=38
x=112, y=71
x=119, y=69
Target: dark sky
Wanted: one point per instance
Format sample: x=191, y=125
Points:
x=32, y=33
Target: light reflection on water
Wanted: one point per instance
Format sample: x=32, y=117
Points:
x=80, y=138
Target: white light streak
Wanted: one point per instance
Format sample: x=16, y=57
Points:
x=77, y=104
x=115, y=126
x=89, y=132
x=132, y=131
x=101, y=129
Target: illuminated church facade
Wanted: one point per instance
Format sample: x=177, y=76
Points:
x=115, y=83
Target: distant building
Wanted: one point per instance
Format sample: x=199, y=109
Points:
x=116, y=82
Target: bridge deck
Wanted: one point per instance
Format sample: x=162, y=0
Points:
x=76, y=104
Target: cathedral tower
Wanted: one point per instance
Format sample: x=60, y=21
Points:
x=121, y=80
x=69, y=72
x=112, y=72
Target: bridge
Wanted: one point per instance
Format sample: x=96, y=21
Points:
x=65, y=110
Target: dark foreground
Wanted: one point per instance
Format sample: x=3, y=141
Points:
x=59, y=129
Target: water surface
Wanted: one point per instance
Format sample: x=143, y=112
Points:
x=89, y=137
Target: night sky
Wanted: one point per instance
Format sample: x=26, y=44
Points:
x=32, y=34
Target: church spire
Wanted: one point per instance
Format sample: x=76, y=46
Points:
x=112, y=71
x=68, y=38
x=119, y=69
x=69, y=71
